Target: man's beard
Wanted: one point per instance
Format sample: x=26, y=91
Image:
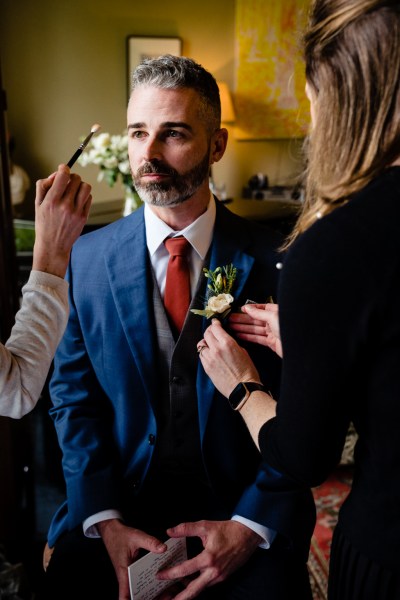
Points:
x=177, y=189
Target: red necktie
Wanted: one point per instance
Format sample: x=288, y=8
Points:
x=177, y=285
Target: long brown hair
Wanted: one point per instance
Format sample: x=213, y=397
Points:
x=352, y=56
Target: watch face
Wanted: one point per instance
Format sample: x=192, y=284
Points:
x=238, y=394
x=242, y=391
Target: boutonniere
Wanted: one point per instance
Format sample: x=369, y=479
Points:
x=218, y=297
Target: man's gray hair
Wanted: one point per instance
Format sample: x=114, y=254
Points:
x=174, y=72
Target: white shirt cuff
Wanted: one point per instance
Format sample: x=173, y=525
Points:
x=266, y=533
x=90, y=529
x=89, y=525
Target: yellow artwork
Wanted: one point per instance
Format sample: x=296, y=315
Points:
x=270, y=98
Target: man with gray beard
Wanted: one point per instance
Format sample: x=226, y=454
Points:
x=150, y=449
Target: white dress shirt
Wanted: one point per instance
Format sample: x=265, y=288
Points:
x=199, y=234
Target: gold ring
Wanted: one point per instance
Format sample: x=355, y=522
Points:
x=200, y=348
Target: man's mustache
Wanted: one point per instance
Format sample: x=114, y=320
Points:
x=156, y=167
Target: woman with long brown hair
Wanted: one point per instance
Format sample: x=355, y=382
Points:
x=338, y=329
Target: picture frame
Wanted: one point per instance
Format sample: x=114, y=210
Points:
x=140, y=47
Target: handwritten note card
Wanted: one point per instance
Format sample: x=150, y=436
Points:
x=142, y=581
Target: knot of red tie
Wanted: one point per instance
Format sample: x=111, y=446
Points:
x=177, y=285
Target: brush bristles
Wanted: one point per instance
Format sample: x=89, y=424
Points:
x=95, y=128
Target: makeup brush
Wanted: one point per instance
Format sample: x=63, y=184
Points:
x=85, y=142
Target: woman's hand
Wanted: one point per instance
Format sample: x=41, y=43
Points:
x=227, y=364
x=224, y=361
x=258, y=323
x=62, y=207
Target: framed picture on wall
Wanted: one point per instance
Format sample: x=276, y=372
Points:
x=142, y=47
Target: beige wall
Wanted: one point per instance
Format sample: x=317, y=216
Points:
x=64, y=68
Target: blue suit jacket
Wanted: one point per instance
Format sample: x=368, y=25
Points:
x=104, y=385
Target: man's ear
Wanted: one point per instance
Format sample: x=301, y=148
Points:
x=219, y=141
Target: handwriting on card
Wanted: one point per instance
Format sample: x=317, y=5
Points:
x=142, y=580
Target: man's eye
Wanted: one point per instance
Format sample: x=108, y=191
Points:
x=137, y=134
x=173, y=133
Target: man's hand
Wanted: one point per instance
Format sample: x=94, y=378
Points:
x=227, y=546
x=123, y=545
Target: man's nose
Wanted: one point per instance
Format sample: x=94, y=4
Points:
x=152, y=149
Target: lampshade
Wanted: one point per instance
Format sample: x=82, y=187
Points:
x=227, y=110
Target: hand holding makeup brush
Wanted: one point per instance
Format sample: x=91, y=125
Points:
x=62, y=207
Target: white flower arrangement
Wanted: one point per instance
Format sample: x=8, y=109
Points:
x=218, y=299
x=110, y=154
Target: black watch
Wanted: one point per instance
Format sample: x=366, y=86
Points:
x=242, y=392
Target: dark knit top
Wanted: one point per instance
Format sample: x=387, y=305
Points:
x=339, y=303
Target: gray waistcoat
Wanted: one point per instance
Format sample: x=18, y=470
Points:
x=178, y=441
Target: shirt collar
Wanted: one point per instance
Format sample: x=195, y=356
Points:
x=199, y=233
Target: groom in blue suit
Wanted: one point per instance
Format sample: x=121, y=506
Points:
x=148, y=443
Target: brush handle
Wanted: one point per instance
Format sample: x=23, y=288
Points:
x=77, y=154
x=75, y=157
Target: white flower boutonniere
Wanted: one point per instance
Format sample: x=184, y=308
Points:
x=219, y=297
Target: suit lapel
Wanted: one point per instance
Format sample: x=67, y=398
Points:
x=130, y=279
x=228, y=246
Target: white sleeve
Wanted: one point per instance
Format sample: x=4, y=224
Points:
x=26, y=357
